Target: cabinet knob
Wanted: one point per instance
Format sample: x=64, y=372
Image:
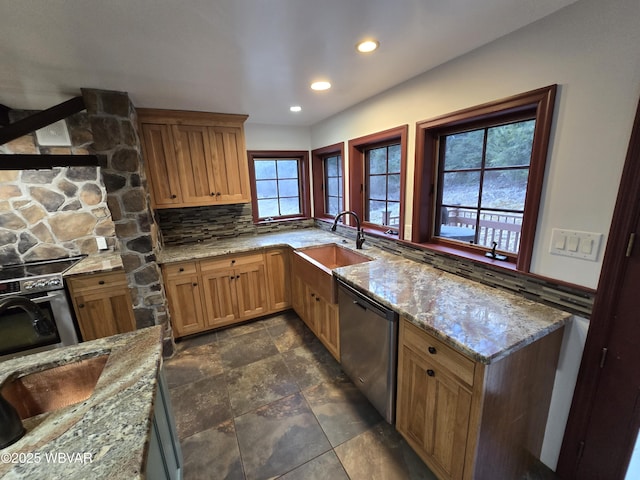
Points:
x=194, y=284
x=231, y=277
x=81, y=305
x=313, y=294
x=174, y=196
x=431, y=373
x=212, y=194
x=218, y=194
x=233, y=261
x=237, y=276
x=181, y=269
x=432, y=350
x=101, y=282
x=317, y=299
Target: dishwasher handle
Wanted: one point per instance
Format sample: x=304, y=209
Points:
x=366, y=303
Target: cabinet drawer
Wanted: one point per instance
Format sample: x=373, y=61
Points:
x=98, y=280
x=231, y=261
x=173, y=269
x=435, y=351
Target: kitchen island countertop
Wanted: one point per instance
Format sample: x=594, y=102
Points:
x=103, y=437
x=482, y=322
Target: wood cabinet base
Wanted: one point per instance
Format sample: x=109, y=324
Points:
x=467, y=420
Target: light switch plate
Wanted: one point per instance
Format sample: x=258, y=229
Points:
x=102, y=243
x=572, y=243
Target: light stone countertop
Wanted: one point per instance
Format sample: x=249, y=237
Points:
x=101, y=262
x=482, y=322
x=110, y=429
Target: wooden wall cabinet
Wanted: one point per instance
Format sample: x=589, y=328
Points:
x=220, y=291
x=194, y=158
x=102, y=303
x=467, y=420
x=314, y=308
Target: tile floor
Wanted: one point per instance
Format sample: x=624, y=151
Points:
x=266, y=400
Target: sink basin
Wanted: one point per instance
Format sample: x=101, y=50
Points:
x=314, y=264
x=54, y=388
x=334, y=256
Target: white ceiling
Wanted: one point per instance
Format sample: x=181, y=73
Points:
x=256, y=57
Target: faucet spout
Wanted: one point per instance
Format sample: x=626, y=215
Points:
x=359, y=235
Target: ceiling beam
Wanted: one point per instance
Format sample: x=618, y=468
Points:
x=41, y=119
x=38, y=162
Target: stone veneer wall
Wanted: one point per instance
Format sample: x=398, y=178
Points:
x=181, y=226
x=540, y=290
x=52, y=213
x=114, y=126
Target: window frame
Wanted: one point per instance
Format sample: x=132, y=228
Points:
x=540, y=104
x=302, y=157
x=357, y=180
x=318, y=157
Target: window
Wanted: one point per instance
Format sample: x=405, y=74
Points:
x=279, y=188
x=328, y=181
x=479, y=176
x=377, y=183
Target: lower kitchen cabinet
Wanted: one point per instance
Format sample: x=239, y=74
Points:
x=102, y=304
x=277, y=261
x=320, y=315
x=467, y=420
x=218, y=291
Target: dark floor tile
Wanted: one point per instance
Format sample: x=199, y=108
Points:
x=326, y=466
x=279, y=437
x=258, y=384
x=193, y=364
x=237, y=351
x=288, y=332
x=200, y=405
x=243, y=329
x=343, y=412
x=212, y=453
x=312, y=364
x=196, y=341
x=381, y=454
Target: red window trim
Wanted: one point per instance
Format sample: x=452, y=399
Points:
x=357, y=147
x=541, y=102
x=317, y=166
x=303, y=172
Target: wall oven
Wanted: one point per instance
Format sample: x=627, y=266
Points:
x=40, y=284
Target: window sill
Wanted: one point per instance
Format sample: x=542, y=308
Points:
x=454, y=252
x=280, y=220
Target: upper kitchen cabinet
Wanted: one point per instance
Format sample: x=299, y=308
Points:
x=194, y=158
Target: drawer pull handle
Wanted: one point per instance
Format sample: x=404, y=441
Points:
x=101, y=282
x=431, y=373
x=432, y=350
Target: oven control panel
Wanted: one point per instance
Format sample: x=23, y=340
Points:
x=42, y=284
x=9, y=287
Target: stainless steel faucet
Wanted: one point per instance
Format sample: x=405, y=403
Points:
x=359, y=234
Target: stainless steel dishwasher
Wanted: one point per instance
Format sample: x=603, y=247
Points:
x=369, y=347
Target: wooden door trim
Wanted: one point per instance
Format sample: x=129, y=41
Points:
x=601, y=324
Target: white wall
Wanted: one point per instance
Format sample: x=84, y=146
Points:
x=276, y=137
x=591, y=50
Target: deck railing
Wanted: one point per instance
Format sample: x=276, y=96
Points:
x=502, y=228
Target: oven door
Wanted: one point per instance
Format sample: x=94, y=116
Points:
x=18, y=337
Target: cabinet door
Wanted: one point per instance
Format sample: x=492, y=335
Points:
x=185, y=304
x=159, y=154
x=220, y=297
x=433, y=414
x=231, y=170
x=328, y=327
x=105, y=312
x=298, y=295
x=311, y=308
x=195, y=167
x=251, y=290
x=278, y=279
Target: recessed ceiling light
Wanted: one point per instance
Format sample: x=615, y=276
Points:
x=296, y=108
x=320, y=86
x=367, y=46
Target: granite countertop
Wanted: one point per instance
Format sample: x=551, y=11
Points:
x=108, y=433
x=101, y=262
x=482, y=322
